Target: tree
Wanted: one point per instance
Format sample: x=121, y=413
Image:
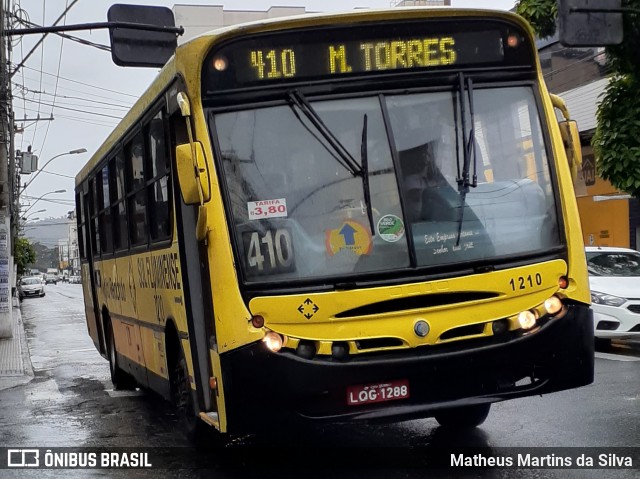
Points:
x=24, y=254
x=616, y=142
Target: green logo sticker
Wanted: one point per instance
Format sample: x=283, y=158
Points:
x=390, y=228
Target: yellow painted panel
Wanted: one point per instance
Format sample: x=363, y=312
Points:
x=89, y=310
x=128, y=304
x=516, y=290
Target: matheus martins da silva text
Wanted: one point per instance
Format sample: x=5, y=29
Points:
x=547, y=460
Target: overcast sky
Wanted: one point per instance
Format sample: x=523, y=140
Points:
x=77, y=78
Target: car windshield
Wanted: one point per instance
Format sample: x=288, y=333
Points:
x=613, y=263
x=30, y=281
x=302, y=208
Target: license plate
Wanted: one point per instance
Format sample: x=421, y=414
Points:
x=373, y=393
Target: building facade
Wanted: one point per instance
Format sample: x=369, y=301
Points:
x=199, y=19
x=68, y=251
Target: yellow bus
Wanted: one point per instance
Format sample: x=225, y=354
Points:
x=341, y=217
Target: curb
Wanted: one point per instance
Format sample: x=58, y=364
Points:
x=7, y=382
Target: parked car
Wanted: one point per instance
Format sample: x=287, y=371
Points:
x=614, y=278
x=30, y=286
x=75, y=280
x=51, y=278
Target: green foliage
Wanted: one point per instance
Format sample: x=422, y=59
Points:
x=24, y=254
x=623, y=58
x=541, y=14
x=616, y=142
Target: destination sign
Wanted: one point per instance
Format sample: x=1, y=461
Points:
x=308, y=55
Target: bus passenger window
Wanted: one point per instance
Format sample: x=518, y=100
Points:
x=157, y=183
x=106, y=225
x=118, y=210
x=138, y=218
x=137, y=205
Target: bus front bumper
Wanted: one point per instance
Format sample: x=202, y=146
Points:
x=259, y=383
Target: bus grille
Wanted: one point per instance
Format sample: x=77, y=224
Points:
x=415, y=302
x=462, y=331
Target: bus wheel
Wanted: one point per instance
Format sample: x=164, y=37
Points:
x=182, y=397
x=463, y=417
x=121, y=380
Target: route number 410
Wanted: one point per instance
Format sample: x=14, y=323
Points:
x=269, y=252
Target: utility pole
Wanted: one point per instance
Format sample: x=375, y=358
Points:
x=6, y=149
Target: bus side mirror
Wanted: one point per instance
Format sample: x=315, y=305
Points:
x=571, y=140
x=142, y=47
x=192, y=173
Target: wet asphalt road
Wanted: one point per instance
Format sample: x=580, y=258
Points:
x=71, y=403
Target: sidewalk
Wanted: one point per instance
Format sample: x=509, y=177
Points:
x=15, y=362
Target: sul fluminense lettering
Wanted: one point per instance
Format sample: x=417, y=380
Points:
x=370, y=57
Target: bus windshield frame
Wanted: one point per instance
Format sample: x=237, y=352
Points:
x=279, y=240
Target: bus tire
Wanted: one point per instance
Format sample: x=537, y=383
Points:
x=464, y=417
x=183, y=400
x=121, y=379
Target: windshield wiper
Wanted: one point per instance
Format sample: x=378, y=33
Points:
x=345, y=158
x=468, y=149
x=364, y=160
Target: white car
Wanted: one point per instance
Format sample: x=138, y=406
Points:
x=614, y=278
x=30, y=286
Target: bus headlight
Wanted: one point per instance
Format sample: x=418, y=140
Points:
x=553, y=305
x=527, y=319
x=273, y=341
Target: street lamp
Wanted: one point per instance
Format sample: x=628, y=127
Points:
x=39, y=198
x=72, y=152
x=26, y=217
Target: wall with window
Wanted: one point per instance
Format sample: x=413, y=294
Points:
x=605, y=222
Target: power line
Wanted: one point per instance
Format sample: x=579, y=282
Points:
x=82, y=83
x=79, y=119
x=76, y=90
x=90, y=121
x=82, y=41
x=41, y=43
x=57, y=174
x=55, y=91
x=75, y=109
x=25, y=89
x=78, y=105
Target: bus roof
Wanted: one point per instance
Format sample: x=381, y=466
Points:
x=190, y=55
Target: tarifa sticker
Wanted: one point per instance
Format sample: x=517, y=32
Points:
x=390, y=228
x=259, y=210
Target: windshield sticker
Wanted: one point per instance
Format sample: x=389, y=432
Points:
x=390, y=228
x=350, y=236
x=260, y=210
x=446, y=242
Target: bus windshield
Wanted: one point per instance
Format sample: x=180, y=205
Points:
x=300, y=212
